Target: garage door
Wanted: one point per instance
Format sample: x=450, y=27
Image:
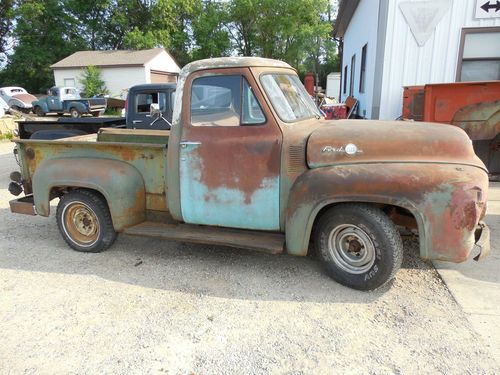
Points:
x=163, y=77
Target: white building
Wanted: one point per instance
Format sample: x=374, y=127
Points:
x=389, y=44
x=119, y=69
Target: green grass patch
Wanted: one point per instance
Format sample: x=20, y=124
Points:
x=6, y=136
x=113, y=112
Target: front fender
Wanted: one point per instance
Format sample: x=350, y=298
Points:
x=120, y=183
x=446, y=200
x=42, y=104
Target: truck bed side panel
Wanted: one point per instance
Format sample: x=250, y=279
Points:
x=148, y=159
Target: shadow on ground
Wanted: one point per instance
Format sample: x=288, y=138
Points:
x=34, y=244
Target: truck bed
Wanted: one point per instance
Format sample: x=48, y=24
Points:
x=146, y=150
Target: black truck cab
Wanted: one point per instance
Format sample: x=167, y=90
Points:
x=150, y=106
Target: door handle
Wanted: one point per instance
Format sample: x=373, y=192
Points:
x=184, y=144
x=137, y=122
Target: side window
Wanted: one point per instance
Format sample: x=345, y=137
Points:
x=224, y=101
x=251, y=111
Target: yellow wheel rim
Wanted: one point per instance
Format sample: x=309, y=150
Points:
x=81, y=224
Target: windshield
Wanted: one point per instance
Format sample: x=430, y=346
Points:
x=289, y=97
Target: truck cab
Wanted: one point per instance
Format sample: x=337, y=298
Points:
x=150, y=106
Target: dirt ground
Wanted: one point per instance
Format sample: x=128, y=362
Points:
x=153, y=306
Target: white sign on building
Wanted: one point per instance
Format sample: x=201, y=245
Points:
x=487, y=9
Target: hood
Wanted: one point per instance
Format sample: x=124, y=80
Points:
x=365, y=141
x=24, y=99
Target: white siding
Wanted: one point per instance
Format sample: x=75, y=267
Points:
x=164, y=63
x=405, y=63
x=118, y=80
x=362, y=30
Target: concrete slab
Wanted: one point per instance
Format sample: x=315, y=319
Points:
x=476, y=285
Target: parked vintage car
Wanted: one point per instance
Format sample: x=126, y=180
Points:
x=63, y=100
x=250, y=163
x=17, y=98
x=4, y=107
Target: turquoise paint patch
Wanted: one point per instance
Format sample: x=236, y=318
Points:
x=224, y=206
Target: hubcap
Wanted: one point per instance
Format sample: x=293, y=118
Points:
x=351, y=248
x=81, y=224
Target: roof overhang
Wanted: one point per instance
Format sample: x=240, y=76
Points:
x=344, y=16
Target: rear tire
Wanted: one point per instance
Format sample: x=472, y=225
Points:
x=84, y=221
x=75, y=113
x=360, y=246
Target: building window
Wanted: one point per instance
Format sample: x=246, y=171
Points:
x=479, y=55
x=353, y=69
x=362, y=73
x=345, y=79
x=69, y=82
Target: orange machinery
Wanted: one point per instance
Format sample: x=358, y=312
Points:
x=472, y=106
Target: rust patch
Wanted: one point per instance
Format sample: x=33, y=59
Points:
x=234, y=157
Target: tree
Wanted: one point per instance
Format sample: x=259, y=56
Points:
x=92, y=82
x=44, y=34
x=6, y=16
x=210, y=36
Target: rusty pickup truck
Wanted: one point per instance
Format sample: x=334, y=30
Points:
x=250, y=163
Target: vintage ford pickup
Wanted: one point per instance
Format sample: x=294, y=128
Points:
x=249, y=163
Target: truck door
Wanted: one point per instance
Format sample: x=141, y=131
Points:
x=139, y=115
x=229, y=153
x=53, y=100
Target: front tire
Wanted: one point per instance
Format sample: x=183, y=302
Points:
x=39, y=111
x=360, y=246
x=84, y=221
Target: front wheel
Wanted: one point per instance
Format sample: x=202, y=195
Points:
x=84, y=221
x=39, y=111
x=360, y=246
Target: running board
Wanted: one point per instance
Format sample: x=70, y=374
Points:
x=273, y=243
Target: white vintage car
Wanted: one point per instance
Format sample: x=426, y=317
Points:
x=3, y=107
x=17, y=98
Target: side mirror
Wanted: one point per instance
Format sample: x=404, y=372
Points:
x=154, y=109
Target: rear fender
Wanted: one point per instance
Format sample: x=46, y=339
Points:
x=81, y=107
x=120, y=183
x=446, y=200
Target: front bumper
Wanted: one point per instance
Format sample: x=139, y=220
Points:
x=482, y=241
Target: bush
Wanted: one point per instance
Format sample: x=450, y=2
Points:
x=92, y=82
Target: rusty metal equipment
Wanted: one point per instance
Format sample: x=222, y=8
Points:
x=472, y=106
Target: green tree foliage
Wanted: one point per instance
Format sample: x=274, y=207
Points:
x=44, y=32
x=6, y=16
x=92, y=82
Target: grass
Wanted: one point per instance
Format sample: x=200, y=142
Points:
x=113, y=112
x=6, y=137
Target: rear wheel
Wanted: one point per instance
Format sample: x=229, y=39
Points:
x=75, y=113
x=84, y=221
x=360, y=246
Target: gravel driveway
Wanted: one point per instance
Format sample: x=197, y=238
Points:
x=153, y=306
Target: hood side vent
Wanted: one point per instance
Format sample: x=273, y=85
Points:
x=296, y=158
